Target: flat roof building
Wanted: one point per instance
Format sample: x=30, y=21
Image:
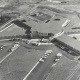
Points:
x=53, y=26
x=69, y=42
x=44, y=22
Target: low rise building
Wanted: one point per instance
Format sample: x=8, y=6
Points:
x=45, y=24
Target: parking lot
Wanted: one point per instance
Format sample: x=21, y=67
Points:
x=19, y=63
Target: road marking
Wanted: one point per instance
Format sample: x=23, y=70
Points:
x=7, y=23
x=6, y=27
x=31, y=71
x=8, y=55
x=74, y=71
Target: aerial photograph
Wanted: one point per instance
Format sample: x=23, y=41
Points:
x=39, y=39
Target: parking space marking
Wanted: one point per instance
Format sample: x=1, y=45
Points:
x=31, y=71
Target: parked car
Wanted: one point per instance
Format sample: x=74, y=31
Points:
x=1, y=47
x=41, y=60
x=9, y=50
x=57, y=57
x=44, y=56
x=34, y=43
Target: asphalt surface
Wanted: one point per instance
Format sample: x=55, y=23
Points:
x=42, y=69
x=19, y=63
x=4, y=51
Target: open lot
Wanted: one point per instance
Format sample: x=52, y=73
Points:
x=19, y=63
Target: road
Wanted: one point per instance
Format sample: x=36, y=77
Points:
x=7, y=24
x=6, y=27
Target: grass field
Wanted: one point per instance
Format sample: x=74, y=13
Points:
x=12, y=31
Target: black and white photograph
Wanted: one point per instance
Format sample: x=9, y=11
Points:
x=39, y=39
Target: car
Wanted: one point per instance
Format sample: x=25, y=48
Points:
x=57, y=19
x=66, y=49
x=48, y=54
x=1, y=47
x=18, y=39
x=59, y=55
x=49, y=51
x=62, y=47
x=10, y=40
x=34, y=44
x=63, y=2
x=23, y=20
x=55, y=60
x=44, y=56
x=9, y=50
x=70, y=51
x=41, y=60
x=16, y=42
x=77, y=58
x=13, y=39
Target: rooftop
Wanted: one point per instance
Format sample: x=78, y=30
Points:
x=69, y=41
x=40, y=19
x=54, y=25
